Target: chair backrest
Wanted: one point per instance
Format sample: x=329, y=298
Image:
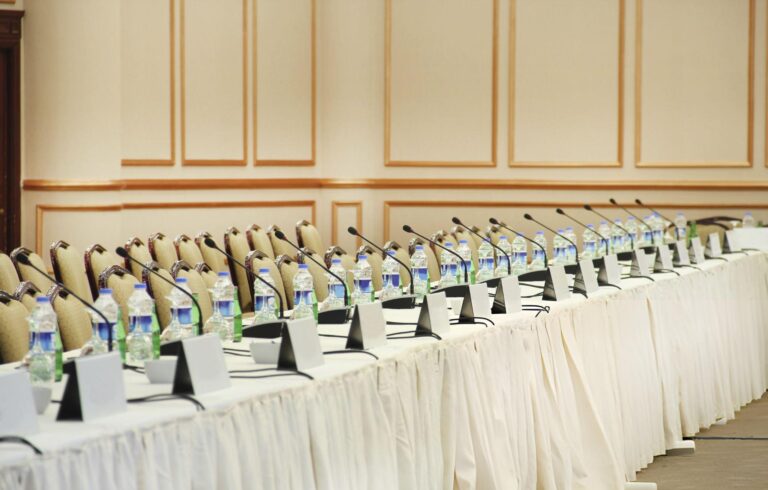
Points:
x=14, y=330
x=9, y=278
x=495, y=232
x=163, y=250
x=402, y=254
x=308, y=236
x=257, y=260
x=461, y=234
x=279, y=246
x=376, y=261
x=259, y=240
x=288, y=268
x=160, y=291
x=197, y=285
x=69, y=269
x=121, y=281
x=478, y=241
x=442, y=237
x=187, y=250
x=26, y=273
x=136, y=249
x=27, y=294
x=97, y=260
x=74, y=321
x=236, y=245
x=208, y=275
x=215, y=259
x=319, y=278
x=347, y=261
x=432, y=265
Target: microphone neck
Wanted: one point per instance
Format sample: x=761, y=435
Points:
x=407, y=268
x=561, y=236
x=638, y=218
x=505, y=254
x=534, y=242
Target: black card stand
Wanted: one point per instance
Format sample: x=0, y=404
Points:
x=286, y=358
x=467, y=312
x=267, y=330
x=424, y=323
x=170, y=348
x=404, y=302
x=634, y=268
x=499, y=304
x=70, y=408
x=355, y=336
x=334, y=316
x=548, y=294
x=182, y=380
x=492, y=282
x=539, y=275
x=579, y=287
x=458, y=291
x=624, y=255
x=676, y=258
x=602, y=274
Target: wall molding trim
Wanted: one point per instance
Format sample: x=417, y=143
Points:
x=43, y=185
x=335, y=205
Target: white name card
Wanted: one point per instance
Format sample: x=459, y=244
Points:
x=556, y=284
x=713, y=245
x=368, y=328
x=507, y=296
x=94, y=389
x=731, y=242
x=681, y=253
x=18, y=416
x=201, y=367
x=586, y=278
x=433, y=317
x=663, y=259
x=698, y=250
x=612, y=269
x=640, y=264
x=300, y=348
x=476, y=302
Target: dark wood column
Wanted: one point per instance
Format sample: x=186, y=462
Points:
x=10, y=129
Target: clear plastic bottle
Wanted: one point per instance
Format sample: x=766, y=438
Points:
x=571, y=247
x=605, y=242
x=224, y=295
x=632, y=235
x=466, y=257
x=181, y=325
x=502, y=267
x=539, y=260
x=748, y=221
x=216, y=324
x=363, y=275
x=589, y=243
x=658, y=229
x=681, y=226
x=98, y=344
x=617, y=236
x=336, y=289
x=304, y=301
x=44, y=359
x=448, y=267
x=264, y=302
x=485, y=261
x=420, y=271
x=558, y=247
x=39, y=363
x=140, y=313
x=646, y=232
x=391, y=277
x=519, y=255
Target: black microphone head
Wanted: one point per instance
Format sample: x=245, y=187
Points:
x=352, y=230
x=456, y=221
x=493, y=221
x=559, y=211
x=639, y=202
x=122, y=252
x=23, y=258
x=407, y=229
x=209, y=242
x=280, y=235
x=527, y=216
x=588, y=207
x=613, y=201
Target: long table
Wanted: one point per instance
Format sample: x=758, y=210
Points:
x=582, y=398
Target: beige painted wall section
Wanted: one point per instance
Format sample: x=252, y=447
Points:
x=257, y=89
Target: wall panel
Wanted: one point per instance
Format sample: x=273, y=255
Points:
x=343, y=215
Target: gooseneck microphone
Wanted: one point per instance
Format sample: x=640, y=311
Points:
x=496, y=222
x=457, y=221
x=638, y=218
x=122, y=252
x=604, y=239
x=280, y=235
x=353, y=231
x=640, y=203
x=24, y=259
x=211, y=243
x=408, y=229
x=531, y=218
x=631, y=240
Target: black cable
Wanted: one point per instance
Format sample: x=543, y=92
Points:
x=133, y=368
x=531, y=285
x=399, y=333
x=352, y=351
x=238, y=354
x=168, y=396
x=639, y=277
x=21, y=440
x=533, y=295
x=611, y=285
x=252, y=370
x=288, y=373
x=690, y=266
x=401, y=323
x=718, y=258
x=332, y=335
x=414, y=336
x=662, y=271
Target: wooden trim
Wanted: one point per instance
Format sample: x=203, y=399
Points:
x=213, y=162
x=38, y=185
x=288, y=162
x=388, y=162
x=619, y=162
x=161, y=162
x=335, y=205
x=10, y=2
x=750, y=101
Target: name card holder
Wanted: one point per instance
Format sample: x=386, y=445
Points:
x=731, y=243
x=641, y=266
x=713, y=249
x=608, y=271
x=663, y=261
x=201, y=367
x=476, y=304
x=507, y=296
x=696, y=251
x=95, y=388
x=433, y=317
x=300, y=346
x=18, y=416
x=368, y=328
x=681, y=256
x=556, y=284
x=585, y=281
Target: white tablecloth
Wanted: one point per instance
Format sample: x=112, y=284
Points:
x=580, y=398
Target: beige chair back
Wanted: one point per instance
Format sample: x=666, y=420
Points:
x=259, y=240
x=288, y=268
x=9, y=278
x=215, y=259
x=443, y=238
x=163, y=251
x=97, y=260
x=236, y=244
x=120, y=280
x=14, y=329
x=197, y=285
x=255, y=261
x=209, y=277
x=495, y=232
x=26, y=273
x=432, y=264
x=160, y=292
x=376, y=261
x=27, y=294
x=347, y=261
x=187, y=250
x=402, y=254
x=280, y=247
x=319, y=279
x=75, y=326
x=136, y=249
x=69, y=269
x=308, y=236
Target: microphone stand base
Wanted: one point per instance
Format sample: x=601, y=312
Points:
x=492, y=283
x=624, y=255
x=405, y=302
x=538, y=275
x=458, y=291
x=572, y=269
x=265, y=330
x=335, y=316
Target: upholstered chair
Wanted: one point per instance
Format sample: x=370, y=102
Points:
x=259, y=240
x=308, y=236
x=162, y=250
x=26, y=273
x=69, y=269
x=255, y=261
x=215, y=259
x=14, y=329
x=236, y=244
x=75, y=326
x=136, y=249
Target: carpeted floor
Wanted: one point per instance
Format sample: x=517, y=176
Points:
x=728, y=457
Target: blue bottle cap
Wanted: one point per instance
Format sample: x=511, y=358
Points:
x=263, y=270
x=503, y=237
x=303, y=267
x=462, y=242
x=419, y=247
x=223, y=274
x=42, y=299
x=336, y=261
x=391, y=253
x=105, y=291
x=139, y=286
x=448, y=245
x=540, y=232
x=181, y=280
x=362, y=257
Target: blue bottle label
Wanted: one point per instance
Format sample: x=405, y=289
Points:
x=302, y=297
x=102, y=329
x=363, y=285
x=590, y=247
x=184, y=315
x=144, y=323
x=420, y=273
x=521, y=258
x=260, y=302
x=46, y=341
x=486, y=263
x=538, y=255
x=337, y=290
x=226, y=307
x=392, y=279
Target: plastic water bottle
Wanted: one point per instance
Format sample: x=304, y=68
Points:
x=336, y=291
x=304, y=300
x=605, y=243
x=466, y=256
x=519, y=255
x=502, y=268
x=448, y=267
x=391, y=275
x=224, y=296
x=182, y=325
x=646, y=233
x=589, y=243
x=485, y=261
x=539, y=260
x=658, y=229
x=681, y=226
x=140, y=339
x=98, y=343
x=264, y=302
x=571, y=247
x=420, y=271
x=558, y=247
x=748, y=221
x=363, y=282
x=617, y=236
x=632, y=235
x=45, y=358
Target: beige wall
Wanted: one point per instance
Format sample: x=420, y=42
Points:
x=512, y=100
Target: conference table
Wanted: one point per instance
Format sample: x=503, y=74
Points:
x=582, y=397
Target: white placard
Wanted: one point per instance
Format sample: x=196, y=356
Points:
x=368, y=328
x=476, y=302
x=681, y=253
x=665, y=257
x=641, y=263
x=733, y=241
x=612, y=268
x=201, y=367
x=698, y=250
x=713, y=245
x=588, y=276
x=433, y=316
x=18, y=416
x=95, y=388
x=508, y=291
x=556, y=284
x=300, y=348
x=754, y=238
